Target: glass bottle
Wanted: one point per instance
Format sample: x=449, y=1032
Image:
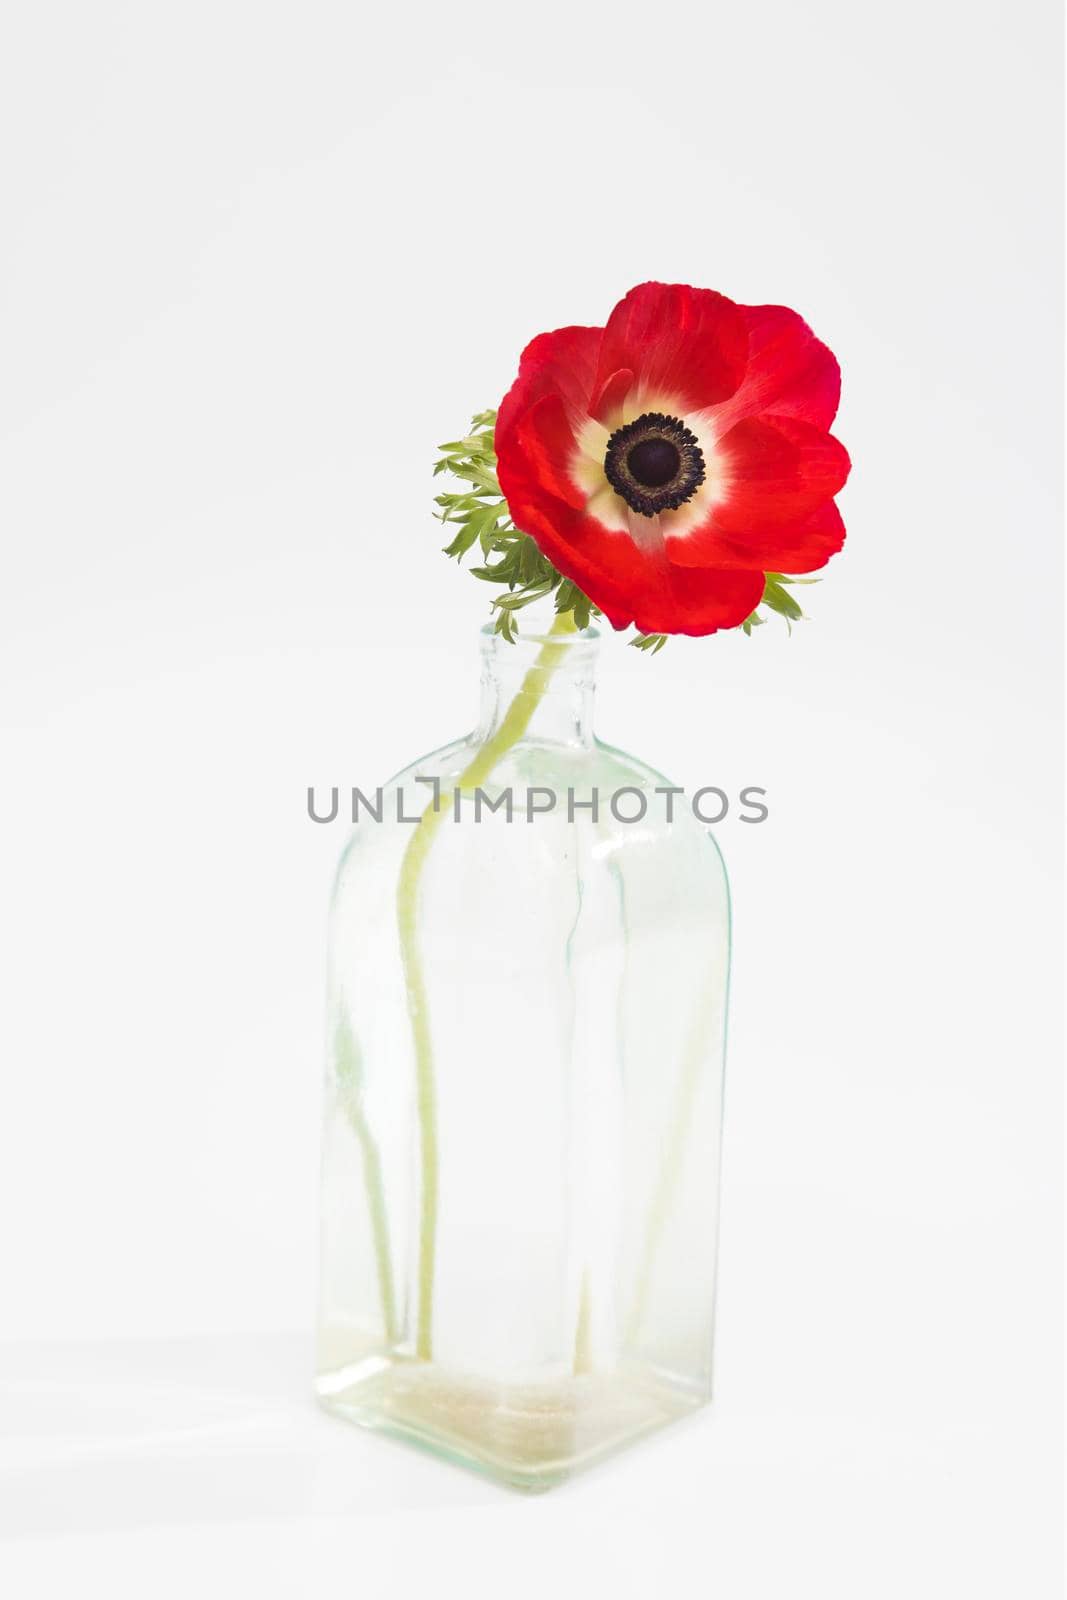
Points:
x=529, y=950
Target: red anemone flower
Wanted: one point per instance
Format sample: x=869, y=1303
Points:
x=666, y=462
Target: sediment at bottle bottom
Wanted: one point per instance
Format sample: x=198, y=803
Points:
x=529, y=1435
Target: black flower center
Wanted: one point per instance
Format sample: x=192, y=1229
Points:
x=655, y=463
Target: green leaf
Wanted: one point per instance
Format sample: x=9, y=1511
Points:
x=462, y=541
x=651, y=642
x=778, y=599
x=525, y=597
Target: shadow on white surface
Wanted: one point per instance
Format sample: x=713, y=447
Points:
x=124, y=1435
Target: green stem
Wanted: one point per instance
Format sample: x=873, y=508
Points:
x=348, y=1070
x=372, y=1171
x=513, y=725
x=583, y=1336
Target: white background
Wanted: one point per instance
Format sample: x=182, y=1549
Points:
x=257, y=260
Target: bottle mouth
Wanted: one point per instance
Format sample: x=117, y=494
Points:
x=533, y=648
x=536, y=625
x=539, y=636
x=539, y=657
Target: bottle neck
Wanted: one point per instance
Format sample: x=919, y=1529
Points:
x=543, y=683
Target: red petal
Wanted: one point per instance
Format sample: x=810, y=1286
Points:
x=563, y=363
x=685, y=344
x=777, y=515
x=559, y=366
x=777, y=469
x=809, y=545
x=699, y=600
x=547, y=439
x=789, y=372
x=607, y=402
x=803, y=546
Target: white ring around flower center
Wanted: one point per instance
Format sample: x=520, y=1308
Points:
x=586, y=470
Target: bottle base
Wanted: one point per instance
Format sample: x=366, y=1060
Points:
x=529, y=1436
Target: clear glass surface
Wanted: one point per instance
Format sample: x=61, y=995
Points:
x=519, y=1215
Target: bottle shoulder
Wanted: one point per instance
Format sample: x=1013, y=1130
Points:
x=534, y=761
x=558, y=802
